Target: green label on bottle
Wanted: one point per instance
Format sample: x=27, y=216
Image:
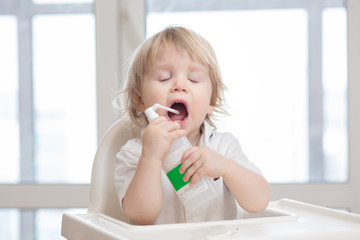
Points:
x=176, y=178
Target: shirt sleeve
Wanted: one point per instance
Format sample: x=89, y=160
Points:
x=125, y=166
x=232, y=149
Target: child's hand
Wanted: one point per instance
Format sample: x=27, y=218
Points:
x=158, y=137
x=200, y=161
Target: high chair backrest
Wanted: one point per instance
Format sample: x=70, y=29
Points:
x=103, y=196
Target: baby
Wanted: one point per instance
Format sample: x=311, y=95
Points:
x=177, y=68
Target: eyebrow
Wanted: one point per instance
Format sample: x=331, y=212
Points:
x=160, y=65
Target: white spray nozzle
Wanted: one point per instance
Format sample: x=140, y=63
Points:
x=151, y=111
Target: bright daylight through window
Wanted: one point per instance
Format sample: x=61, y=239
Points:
x=284, y=63
x=47, y=106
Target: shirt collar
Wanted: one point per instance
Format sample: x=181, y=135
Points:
x=207, y=134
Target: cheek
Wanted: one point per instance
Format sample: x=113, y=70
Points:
x=148, y=91
x=151, y=96
x=204, y=105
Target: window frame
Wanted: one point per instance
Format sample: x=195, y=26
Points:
x=342, y=195
x=114, y=18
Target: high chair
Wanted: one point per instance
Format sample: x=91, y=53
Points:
x=103, y=196
x=283, y=219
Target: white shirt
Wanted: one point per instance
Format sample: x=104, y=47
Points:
x=222, y=207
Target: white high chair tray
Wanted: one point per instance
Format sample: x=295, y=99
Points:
x=283, y=219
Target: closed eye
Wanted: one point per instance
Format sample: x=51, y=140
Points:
x=194, y=77
x=164, y=79
x=164, y=76
x=193, y=80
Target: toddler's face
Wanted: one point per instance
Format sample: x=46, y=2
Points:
x=175, y=80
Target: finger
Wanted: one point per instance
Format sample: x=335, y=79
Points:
x=195, y=177
x=158, y=120
x=191, y=157
x=172, y=126
x=168, y=126
x=164, y=122
x=195, y=167
x=178, y=133
x=188, y=152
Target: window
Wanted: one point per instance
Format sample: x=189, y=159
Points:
x=33, y=210
x=64, y=97
x=8, y=96
x=47, y=112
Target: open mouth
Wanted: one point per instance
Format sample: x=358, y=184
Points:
x=182, y=115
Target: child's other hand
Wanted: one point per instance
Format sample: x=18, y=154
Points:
x=200, y=161
x=158, y=137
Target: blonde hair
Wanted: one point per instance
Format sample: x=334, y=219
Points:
x=185, y=39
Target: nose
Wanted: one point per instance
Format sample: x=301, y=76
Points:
x=179, y=85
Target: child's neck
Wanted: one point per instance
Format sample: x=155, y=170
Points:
x=194, y=138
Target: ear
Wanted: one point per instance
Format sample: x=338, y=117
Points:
x=210, y=109
x=140, y=105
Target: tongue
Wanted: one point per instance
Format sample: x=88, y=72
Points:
x=178, y=117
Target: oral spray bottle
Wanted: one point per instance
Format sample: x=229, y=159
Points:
x=194, y=196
